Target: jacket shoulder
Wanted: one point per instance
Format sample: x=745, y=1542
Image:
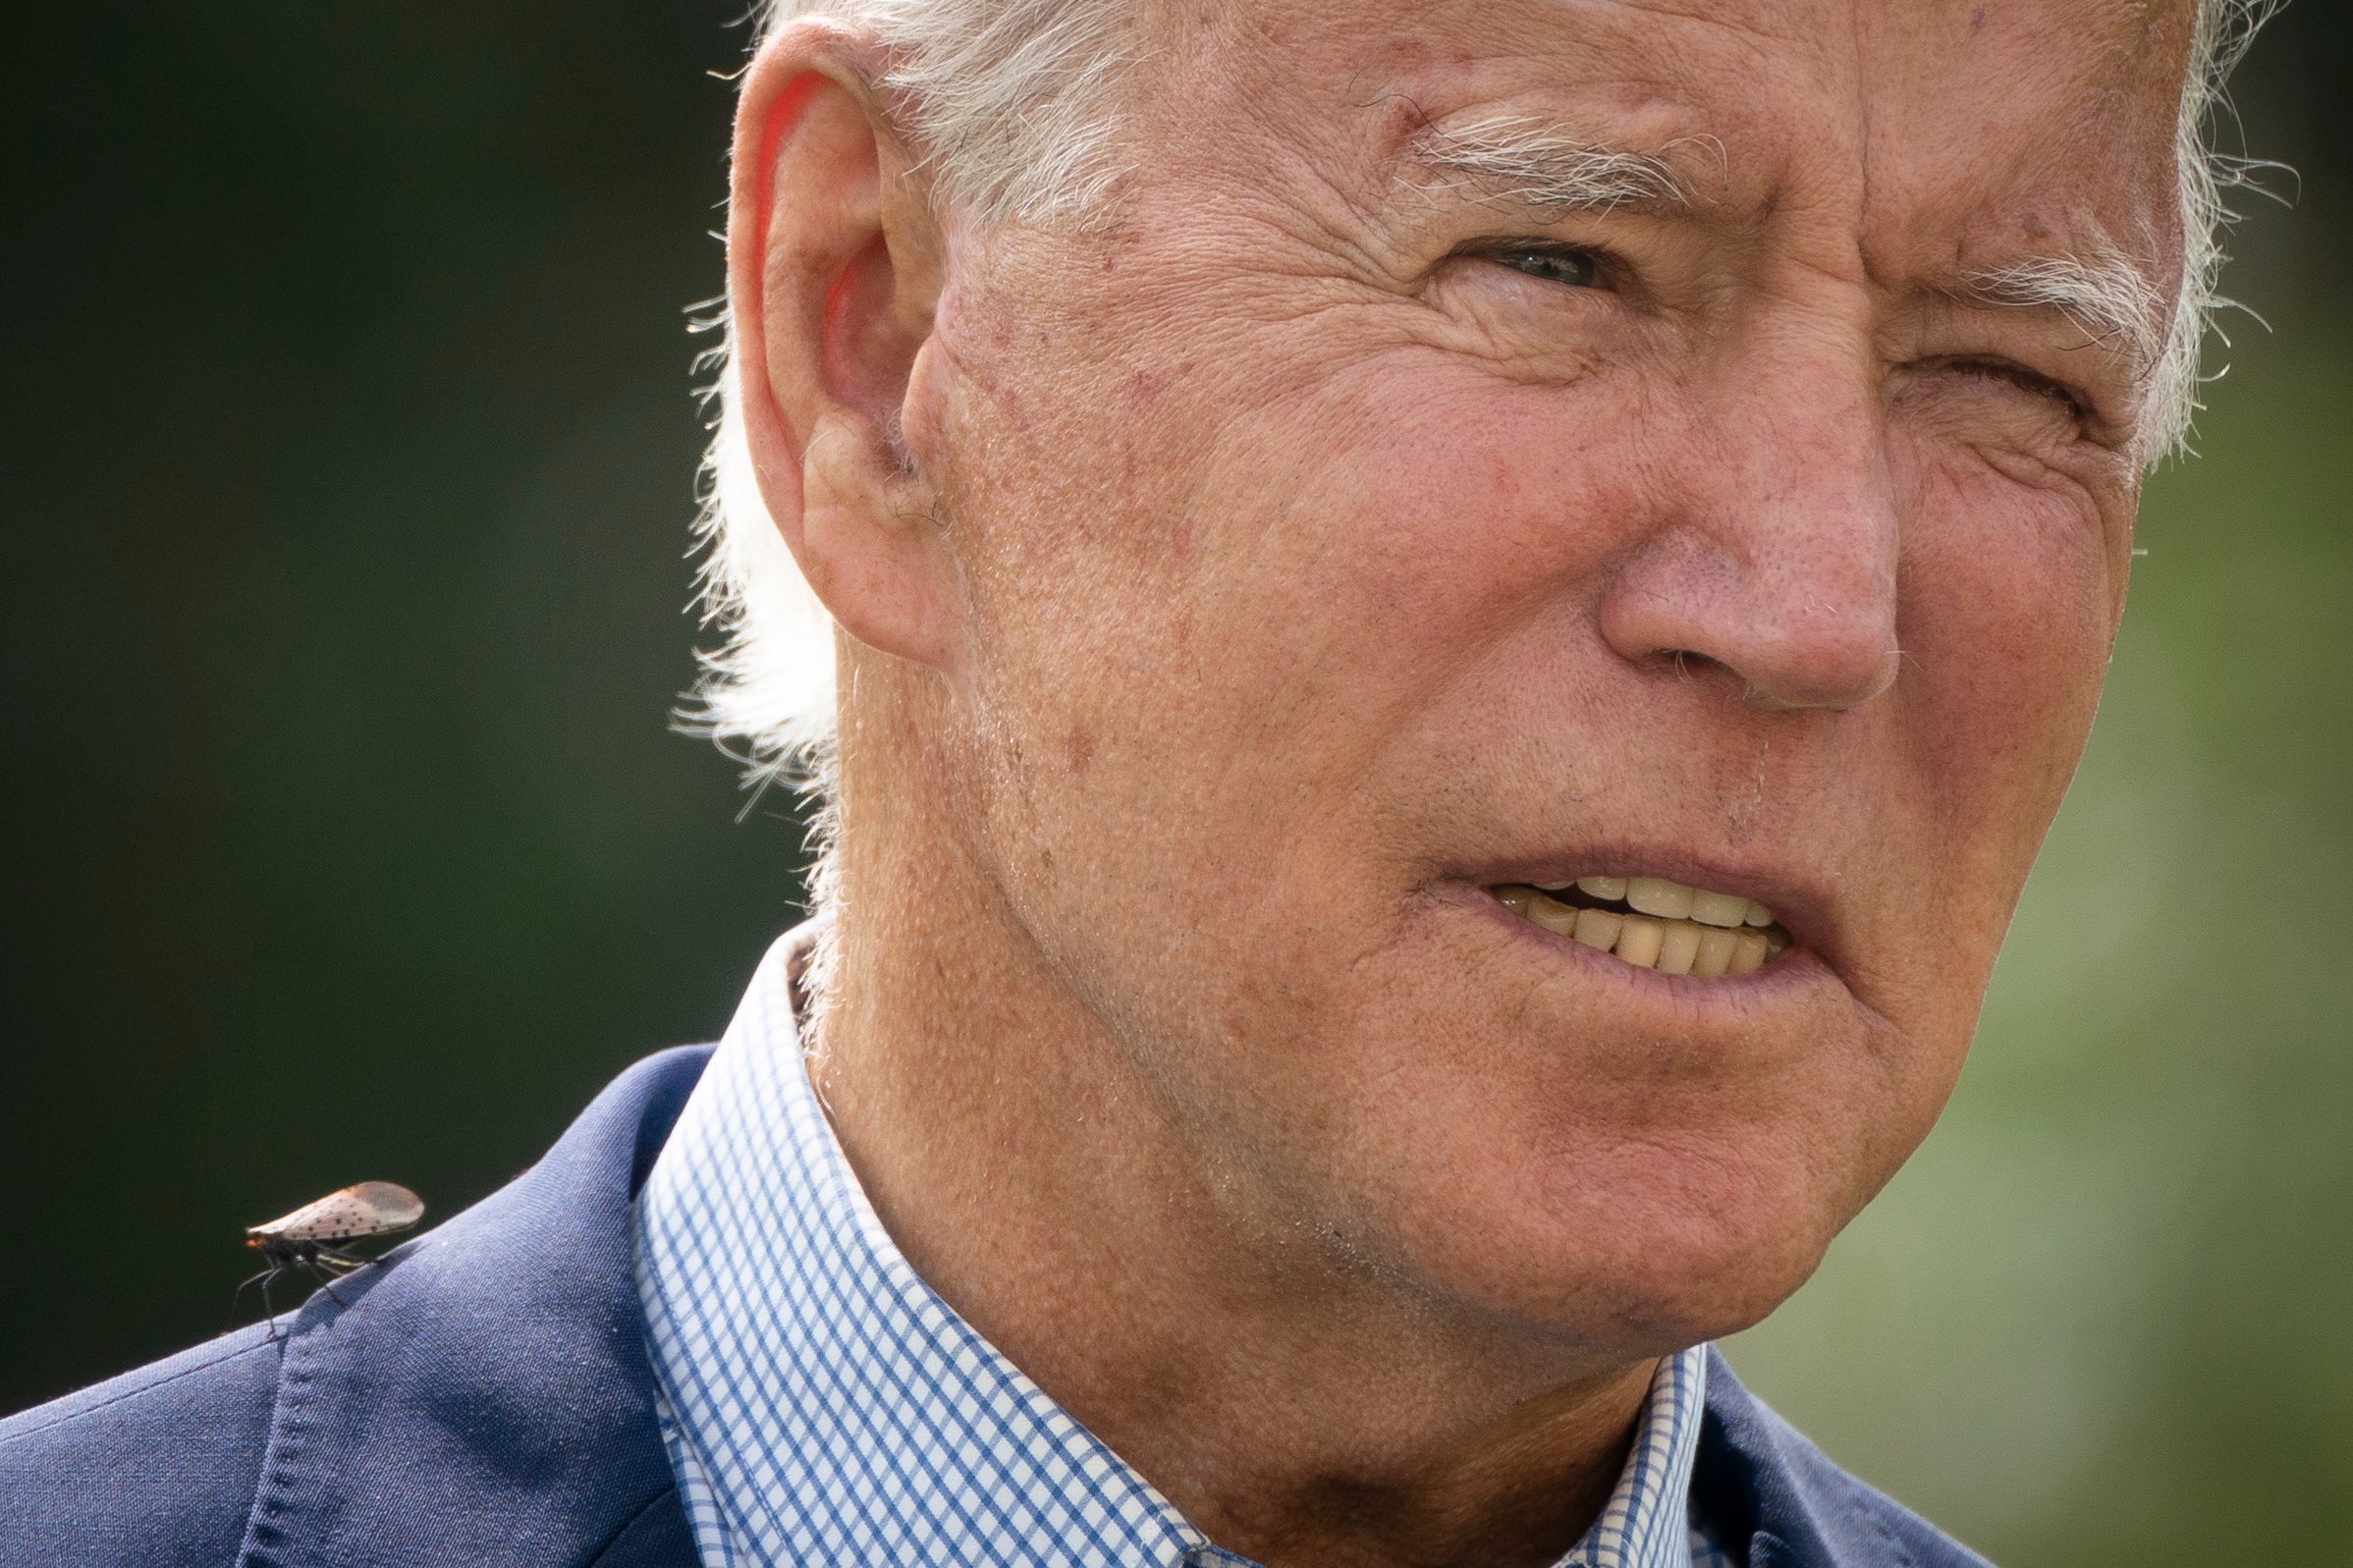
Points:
x=155, y=1467
x=1760, y=1480
x=478, y=1394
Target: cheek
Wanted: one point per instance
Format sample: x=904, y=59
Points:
x=1410, y=524
x=2008, y=618
x=1232, y=626
x=1302, y=572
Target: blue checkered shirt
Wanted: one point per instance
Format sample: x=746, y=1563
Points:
x=822, y=1405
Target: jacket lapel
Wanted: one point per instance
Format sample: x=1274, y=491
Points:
x=1758, y=1482
x=484, y=1394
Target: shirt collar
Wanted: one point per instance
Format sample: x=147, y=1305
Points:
x=822, y=1405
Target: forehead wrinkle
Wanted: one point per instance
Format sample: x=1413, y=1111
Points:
x=1549, y=167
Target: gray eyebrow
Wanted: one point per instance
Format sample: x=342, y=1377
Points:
x=2106, y=296
x=1540, y=164
x=1543, y=165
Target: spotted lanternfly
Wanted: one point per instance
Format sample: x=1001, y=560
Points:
x=309, y=1238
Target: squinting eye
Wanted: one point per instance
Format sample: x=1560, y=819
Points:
x=1576, y=268
x=2025, y=380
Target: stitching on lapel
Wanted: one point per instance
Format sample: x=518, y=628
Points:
x=293, y=1424
x=283, y=1460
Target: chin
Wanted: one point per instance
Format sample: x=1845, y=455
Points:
x=1633, y=1253
x=1629, y=1166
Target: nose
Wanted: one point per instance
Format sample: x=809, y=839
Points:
x=1774, y=553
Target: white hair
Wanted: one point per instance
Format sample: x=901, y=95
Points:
x=1013, y=104
x=1009, y=100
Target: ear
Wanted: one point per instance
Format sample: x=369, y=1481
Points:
x=834, y=270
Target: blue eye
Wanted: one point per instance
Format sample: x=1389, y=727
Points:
x=1575, y=268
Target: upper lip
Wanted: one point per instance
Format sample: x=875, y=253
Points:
x=1802, y=903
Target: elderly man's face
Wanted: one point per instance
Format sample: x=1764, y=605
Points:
x=1364, y=521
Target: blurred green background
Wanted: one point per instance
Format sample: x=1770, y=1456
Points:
x=345, y=467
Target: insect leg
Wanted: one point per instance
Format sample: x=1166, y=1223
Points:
x=242, y=1286
x=269, y=1277
x=325, y=1275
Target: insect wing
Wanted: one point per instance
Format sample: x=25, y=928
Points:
x=369, y=1209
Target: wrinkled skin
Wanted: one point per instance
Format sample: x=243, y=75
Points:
x=1234, y=589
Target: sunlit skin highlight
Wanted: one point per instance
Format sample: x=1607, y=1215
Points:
x=1237, y=590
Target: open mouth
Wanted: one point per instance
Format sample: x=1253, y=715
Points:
x=1653, y=922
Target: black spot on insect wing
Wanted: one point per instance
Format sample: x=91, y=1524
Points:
x=307, y=1239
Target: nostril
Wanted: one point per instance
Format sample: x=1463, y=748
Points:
x=1784, y=625
x=1800, y=679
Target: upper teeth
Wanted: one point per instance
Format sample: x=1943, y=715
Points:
x=1694, y=930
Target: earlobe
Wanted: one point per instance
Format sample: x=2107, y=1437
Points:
x=833, y=270
x=868, y=545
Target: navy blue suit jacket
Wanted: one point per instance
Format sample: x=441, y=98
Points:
x=482, y=1396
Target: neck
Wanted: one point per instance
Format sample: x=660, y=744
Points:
x=1298, y=1403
